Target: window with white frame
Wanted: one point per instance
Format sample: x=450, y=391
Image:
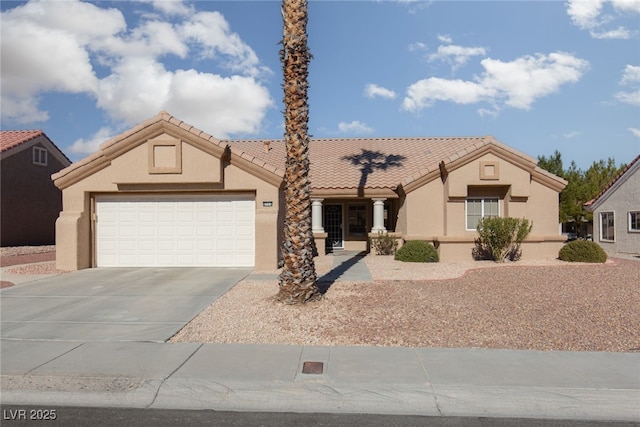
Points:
x=478, y=208
x=39, y=156
x=634, y=221
x=607, y=224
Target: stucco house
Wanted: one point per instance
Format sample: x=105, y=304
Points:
x=30, y=203
x=616, y=212
x=167, y=194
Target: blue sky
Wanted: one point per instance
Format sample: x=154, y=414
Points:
x=537, y=75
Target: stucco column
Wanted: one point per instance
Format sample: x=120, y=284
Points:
x=378, y=215
x=316, y=216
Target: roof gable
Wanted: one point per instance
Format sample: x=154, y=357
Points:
x=163, y=123
x=14, y=141
x=615, y=183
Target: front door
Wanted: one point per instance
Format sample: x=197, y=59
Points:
x=333, y=226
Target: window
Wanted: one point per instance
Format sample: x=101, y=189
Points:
x=39, y=156
x=357, y=220
x=607, y=226
x=634, y=221
x=478, y=208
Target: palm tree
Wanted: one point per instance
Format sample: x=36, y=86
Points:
x=297, y=283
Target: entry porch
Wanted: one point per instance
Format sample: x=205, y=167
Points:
x=347, y=224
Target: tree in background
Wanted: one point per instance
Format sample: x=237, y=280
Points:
x=297, y=282
x=582, y=185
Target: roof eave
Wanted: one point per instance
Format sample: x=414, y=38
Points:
x=611, y=187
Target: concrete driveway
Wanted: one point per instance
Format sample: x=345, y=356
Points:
x=112, y=304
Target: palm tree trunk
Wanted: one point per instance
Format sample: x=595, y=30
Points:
x=297, y=282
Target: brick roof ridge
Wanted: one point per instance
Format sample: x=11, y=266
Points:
x=613, y=181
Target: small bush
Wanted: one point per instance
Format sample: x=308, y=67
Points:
x=582, y=251
x=384, y=244
x=500, y=238
x=417, y=251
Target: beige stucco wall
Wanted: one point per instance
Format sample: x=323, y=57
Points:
x=423, y=210
x=436, y=211
x=132, y=172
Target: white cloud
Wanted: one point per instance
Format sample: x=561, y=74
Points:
x=86, y=146
x=80, y=48
x=584, y=13
x=171, y=7
x=571, y=135
x=22, y=110
x=417, y=46
x=635, y=131
x=212, y=33
x=43, y=52
x=139, y=88
x=631, y=98
x=618, y=33
x=372, y=90
x=590, y=15
x=627, y=5
x=456, y=55
x=631, y=78
x=445, y=39
x=136, y=89
x=222, y=105
x=630, y=75
x=355, y=127
x=515, y=84
x=414, y=6
x=425, y=92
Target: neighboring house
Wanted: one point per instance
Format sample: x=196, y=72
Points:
x=167, y=194
x=616, y=212
x=30, y=202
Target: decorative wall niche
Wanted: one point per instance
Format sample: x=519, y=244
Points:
x=489, y=170
x=165, y=156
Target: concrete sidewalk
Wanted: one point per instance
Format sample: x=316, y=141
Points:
x=375, y=380
x=379, y=380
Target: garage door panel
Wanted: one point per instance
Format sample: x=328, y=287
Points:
x=205, y=230
x=167, y=230
x=146, y=245
x=244, y=246
x=146, y=231
x=166, y=245
x=244, y=230
x=126, y=231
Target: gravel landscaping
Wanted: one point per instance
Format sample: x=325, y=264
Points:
x=15, y=255
x=528, y=305
x=543, y=305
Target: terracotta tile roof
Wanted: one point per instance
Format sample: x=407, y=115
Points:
x=375, y=163
x=336, y=163
x=13, y=138
x=613, y=181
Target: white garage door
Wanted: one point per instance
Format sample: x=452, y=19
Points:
x=175, y=231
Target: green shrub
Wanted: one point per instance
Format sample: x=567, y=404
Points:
x=500, y=238
x=417, y=251
x=582, y=251
x=384, y=244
